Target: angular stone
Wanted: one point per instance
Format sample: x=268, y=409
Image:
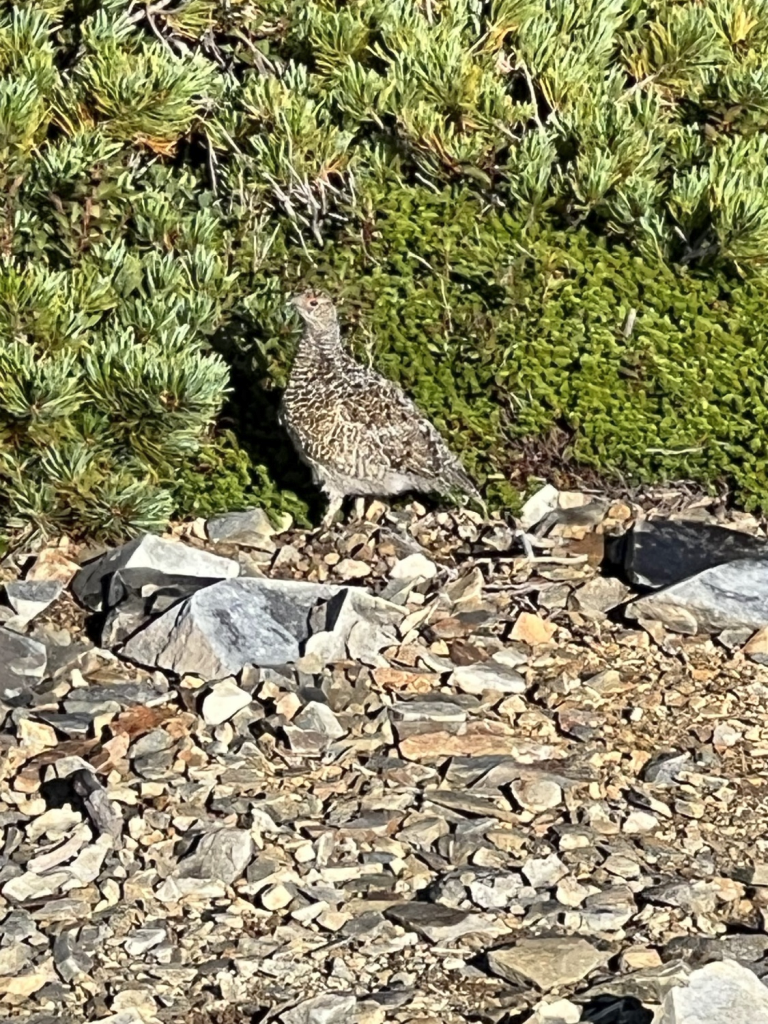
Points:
x=532, y=629
x=224, y=627
x=143, y=939
x=537, y=795
x=22, y=665
x=223, y=701
x=357, y=625
x=171, y=558
x=538, y=505
x=414, y=567
x=487, y=675
x=756, y=647
x=222, y=855
x=548, y=963
x=729, y=595
x=598, y=596
x=29, y=598
x=723, y=992
x=249, y=529
x=658, y=553
x=440, y=924
x=330, y=1008
x=317, y=717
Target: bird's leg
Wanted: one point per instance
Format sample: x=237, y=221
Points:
x=334, y=504
x=525, y=540
x=359, y=508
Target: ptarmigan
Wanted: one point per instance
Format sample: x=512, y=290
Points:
x=356, y=430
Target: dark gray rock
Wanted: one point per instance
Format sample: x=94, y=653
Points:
x=23, y=665
x=727, y=596
x=135, y=595
x=658, y=553
x=147, y=552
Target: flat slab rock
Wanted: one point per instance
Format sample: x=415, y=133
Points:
x=548, y=963
x=725, y=597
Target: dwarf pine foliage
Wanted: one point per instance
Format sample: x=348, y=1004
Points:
x=548, y=219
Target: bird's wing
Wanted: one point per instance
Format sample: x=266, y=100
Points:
x=406, y=439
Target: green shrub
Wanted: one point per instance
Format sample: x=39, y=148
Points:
x=489, y=189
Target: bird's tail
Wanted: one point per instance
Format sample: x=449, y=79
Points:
x=460, y=481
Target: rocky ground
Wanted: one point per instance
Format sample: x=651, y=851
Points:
x=397, y=772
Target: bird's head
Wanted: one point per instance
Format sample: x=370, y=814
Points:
x=317, y=310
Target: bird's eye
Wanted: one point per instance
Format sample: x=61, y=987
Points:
x=313, y=302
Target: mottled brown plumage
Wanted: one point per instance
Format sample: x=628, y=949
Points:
x=357, y=431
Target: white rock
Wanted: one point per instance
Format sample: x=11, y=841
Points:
x=561, y=1011
x=413, y=567
x=224, y=701
x=487, y=675
x=722, y=992
x=538, y=505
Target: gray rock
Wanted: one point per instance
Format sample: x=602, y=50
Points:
x=719, y=993
x=103, y=812
x=249, y=529
x=331, y=1008
x=171, y=558
x=357, y=625
x=548, y=963
x=74, y=726
x=665, y=769
x=22, y=665
x=319, y=718
x=544, y=872
x=538, y=506
x=488, y=888
x=143, y=939
x=135, y=595
x=609, y=910
x=598, y=596
x=440, y=924
x=29, y=598
x=222, y=855
x=234, y=623
x=724, y=597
